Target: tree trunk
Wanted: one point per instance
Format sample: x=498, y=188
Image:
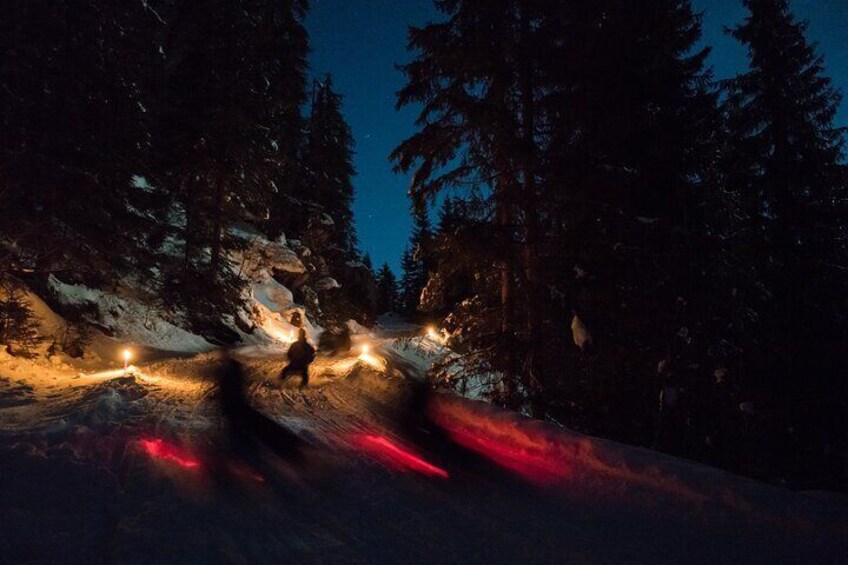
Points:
x=190, y=207
x=507, y=297
x=218, y=226
x=531, y=240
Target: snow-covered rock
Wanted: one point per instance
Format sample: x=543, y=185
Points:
x=128, y=320
x=327, y=283
x=356, y=328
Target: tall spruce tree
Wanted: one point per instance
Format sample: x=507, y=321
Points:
x=464, y=77
x=19, y=330
x=587, y=127
x=633, y=128
x=329, y=162
x=416, y=263
x=72, y=107
x=387, y=290
x=783, y=163
x=229, y=84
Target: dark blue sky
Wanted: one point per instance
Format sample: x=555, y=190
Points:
x=360, y=41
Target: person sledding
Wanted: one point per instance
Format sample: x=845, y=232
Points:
x=300, y=355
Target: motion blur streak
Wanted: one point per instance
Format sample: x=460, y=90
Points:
x=399, y=458
x=160, y=449
x=535, y=467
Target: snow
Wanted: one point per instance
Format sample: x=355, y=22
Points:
x=140, y=182
x=271, y=306
x=557, y=457
x=392, y=322
x=419, y=351
x=328, y=283
x=264, y=254
x=129, y=321
x=78, y=485
x=356, y=328
x=420, y=348
x=271, y=294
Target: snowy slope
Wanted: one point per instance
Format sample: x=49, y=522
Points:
x=129, y=321
x=130, y=459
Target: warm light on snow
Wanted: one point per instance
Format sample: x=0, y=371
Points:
x=372, y=360
x=284, y=337
x=435, y=335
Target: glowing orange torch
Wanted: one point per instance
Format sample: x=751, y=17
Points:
x=127, y=356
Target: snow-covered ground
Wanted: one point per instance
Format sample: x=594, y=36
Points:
x=103, y=466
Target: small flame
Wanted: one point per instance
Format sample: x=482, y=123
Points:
x=365, y=349
x=435, y=335
x=127, y=355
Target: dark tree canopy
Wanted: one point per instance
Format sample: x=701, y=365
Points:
x=615, y=248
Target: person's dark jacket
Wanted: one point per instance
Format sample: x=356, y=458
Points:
x=300, y=354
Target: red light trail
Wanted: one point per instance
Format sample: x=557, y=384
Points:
x=160, y=449
x=537, y=467
x=380, y=447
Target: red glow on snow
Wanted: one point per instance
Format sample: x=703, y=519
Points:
x=536, y=467
x=381, y=448
x=160, y=449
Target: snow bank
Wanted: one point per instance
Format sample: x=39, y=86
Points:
x=602, y=469
x=392, y=322
x=129, y=321
x=422, y=352
x=356, y=328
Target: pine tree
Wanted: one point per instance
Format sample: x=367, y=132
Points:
x=783, y=164
x=72, y=109
x=588, y=128
x=452, y=215
x=452, y=267
x=416, y=263
x=634, y=124
x=18, y=326
x=409, y=291
x=226, y=91
x=387, y=290
x=366, y=260
x=329, y=160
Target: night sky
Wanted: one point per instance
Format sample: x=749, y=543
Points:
x=360, y=41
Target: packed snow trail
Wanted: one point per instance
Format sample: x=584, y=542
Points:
x=136, y=469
